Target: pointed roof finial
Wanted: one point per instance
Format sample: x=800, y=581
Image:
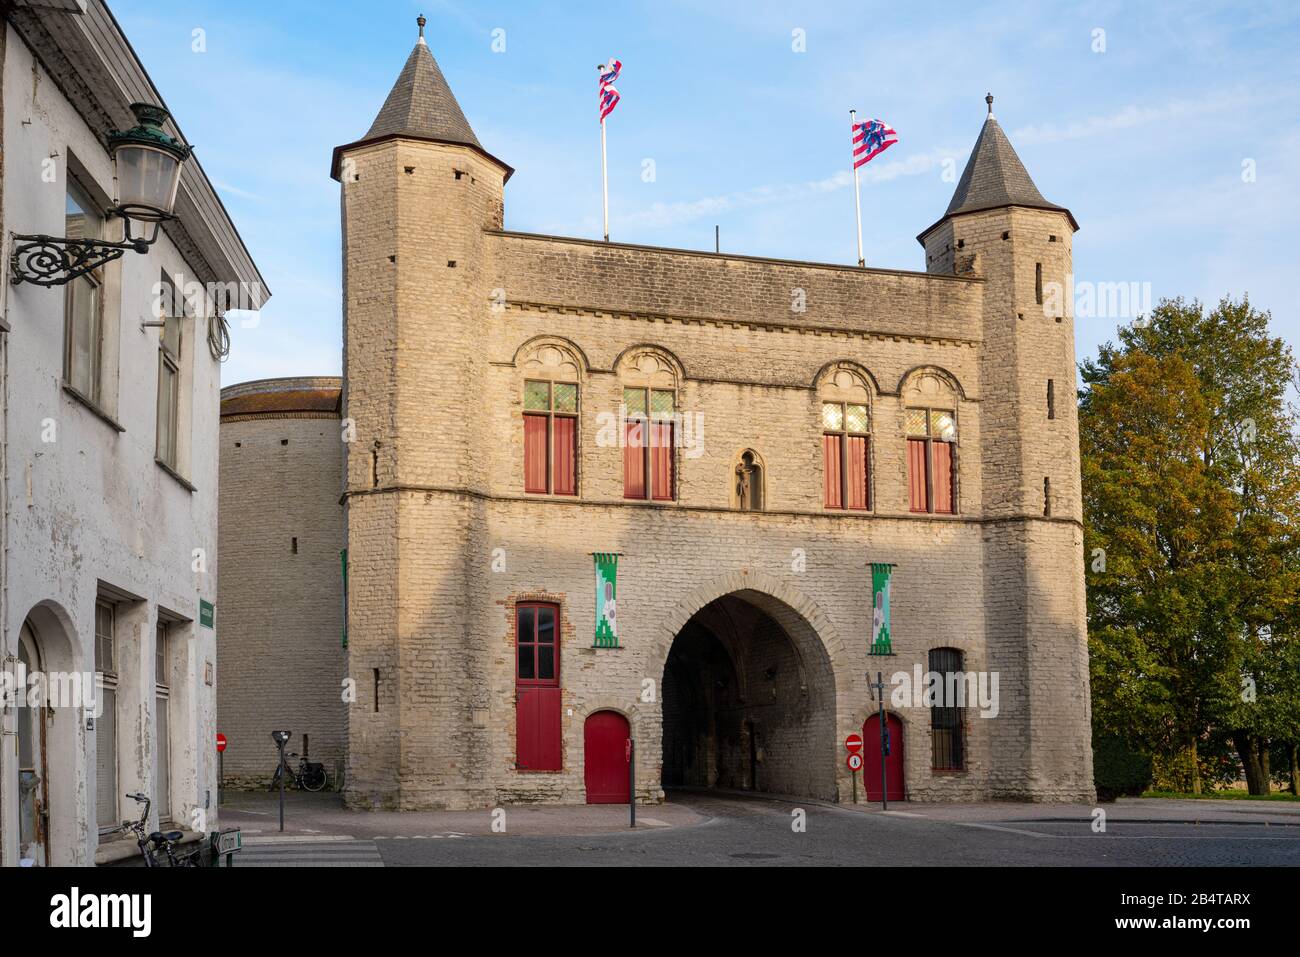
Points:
x=989, y=100
x=420, y=22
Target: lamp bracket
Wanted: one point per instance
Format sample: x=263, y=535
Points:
x=55, y=261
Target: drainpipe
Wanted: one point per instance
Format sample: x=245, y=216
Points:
x=7, y=733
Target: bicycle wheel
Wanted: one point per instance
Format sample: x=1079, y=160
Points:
x=314, y=779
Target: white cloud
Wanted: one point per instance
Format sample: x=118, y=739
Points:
x=1130, y=117
x=662, y=215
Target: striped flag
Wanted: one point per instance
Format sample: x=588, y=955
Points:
x=608, y=94
x=870, y=139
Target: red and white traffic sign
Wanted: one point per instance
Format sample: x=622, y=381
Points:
x=853, y=743
x=221, y=743
x=854, y=762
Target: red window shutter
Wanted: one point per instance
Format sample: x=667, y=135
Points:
x=661, y=460
x=857, y=471
x=943, y=477
x=534, y=453
x=831, y=454
x=916, y=475
x=566, y=456
x=633, y=461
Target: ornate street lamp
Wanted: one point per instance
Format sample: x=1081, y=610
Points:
x=147, y=171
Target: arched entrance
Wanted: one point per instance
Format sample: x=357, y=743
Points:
x=33, y=775
x=49, y=742
x=605, y=764
x=748, y=698
x=894, y=785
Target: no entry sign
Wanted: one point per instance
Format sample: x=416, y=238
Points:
x=221, y=743
x=853, y=743
x=854, y=762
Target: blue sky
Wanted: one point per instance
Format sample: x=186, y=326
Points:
x=1145, y=142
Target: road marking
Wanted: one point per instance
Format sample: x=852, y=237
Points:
x=997, y=827
x=317, y=853
x=297, y=839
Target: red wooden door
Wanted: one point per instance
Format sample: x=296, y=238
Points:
x=604, y=747
x=538, y=732
x=871, y=756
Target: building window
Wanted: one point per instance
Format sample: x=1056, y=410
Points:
x=162, y=698
x=551, y=438
x=1051, y=398
x=947, y=751
x=106, y=723
x=1038, y=283
x=537, y=687
x=83, y=308
x=931, y=460
x=169, y=376
x=648, y=447
x=846, y=451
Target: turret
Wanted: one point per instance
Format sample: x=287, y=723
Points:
x=999, y=227
x=418, y=193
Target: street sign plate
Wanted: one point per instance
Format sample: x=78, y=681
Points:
x=229, y=841
x=854, y=762
x=853, y=743
x=207, y=613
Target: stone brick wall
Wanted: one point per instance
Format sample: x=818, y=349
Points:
x=280, y=658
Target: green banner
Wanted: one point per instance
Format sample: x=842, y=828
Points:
x=606, y=620
x=881, y=644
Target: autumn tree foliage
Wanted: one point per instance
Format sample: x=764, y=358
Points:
x=1191, y=487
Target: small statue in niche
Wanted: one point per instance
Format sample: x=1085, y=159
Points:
x=749, y=484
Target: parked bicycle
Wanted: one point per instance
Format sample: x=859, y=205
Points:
x=308, y=776
x=151, y=842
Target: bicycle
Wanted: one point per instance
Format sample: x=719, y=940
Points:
x=150, y=843
x=309, y=775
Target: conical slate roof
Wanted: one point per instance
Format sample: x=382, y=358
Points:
x=422, y=105
x=995, y=177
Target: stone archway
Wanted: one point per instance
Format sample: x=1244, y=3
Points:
x=50, y=770
x=749, y=690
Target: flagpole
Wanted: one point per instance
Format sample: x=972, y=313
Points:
x=857, y=194
x=604, y=177
x=604, y=163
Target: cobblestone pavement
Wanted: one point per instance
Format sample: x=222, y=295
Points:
x=706, y=828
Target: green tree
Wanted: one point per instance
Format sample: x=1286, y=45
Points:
x=1192, y=487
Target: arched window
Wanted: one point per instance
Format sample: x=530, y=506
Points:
x=747, y=492
x=931, y=421
x=650, y=404
x=550, y=421
x=846, y=439
x=947, y=747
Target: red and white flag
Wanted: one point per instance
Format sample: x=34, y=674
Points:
x=609, y=96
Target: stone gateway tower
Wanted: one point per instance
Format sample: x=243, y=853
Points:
x=598, y=491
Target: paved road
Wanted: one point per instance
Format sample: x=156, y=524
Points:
x=757, y=831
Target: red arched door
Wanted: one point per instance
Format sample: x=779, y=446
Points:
x=871, y=755
x=605, y=757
